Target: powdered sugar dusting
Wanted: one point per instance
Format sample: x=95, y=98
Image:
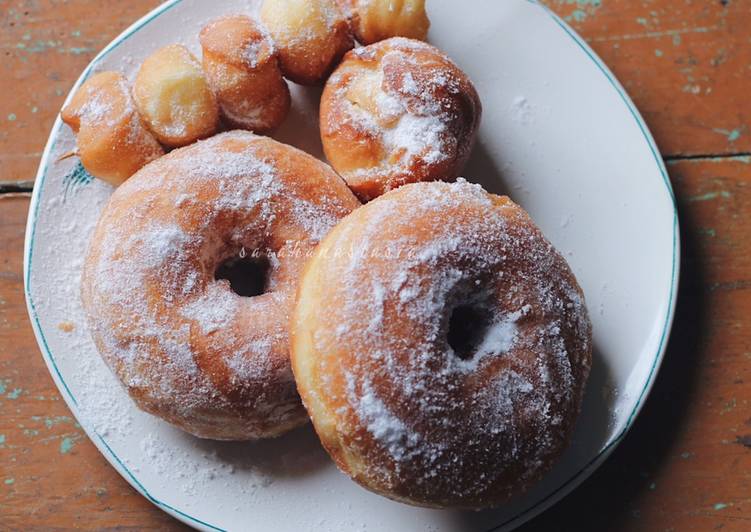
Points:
x=423, y=251
x=417, y=111
x=154, y=307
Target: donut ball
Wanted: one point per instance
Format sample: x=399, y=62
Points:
x=311, y=36
x=444, y=359
x=242, y=69
x=376, y=20
x=397, y=112
x=200, y=347
x=113, y=143
x=174, y=98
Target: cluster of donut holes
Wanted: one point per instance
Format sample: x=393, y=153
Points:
x=176, y=99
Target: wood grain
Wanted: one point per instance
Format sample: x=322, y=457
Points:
x=686, y=465
x=686, y=64
x=51, y=475
x=45, y=46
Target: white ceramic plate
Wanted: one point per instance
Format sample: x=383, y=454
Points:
x=559, y=135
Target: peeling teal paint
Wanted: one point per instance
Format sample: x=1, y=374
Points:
x=41, y=46
x=44, y=46
x=584, y=8
x=3, y=385
x=731, y=134
x=66, y=445
x=710, y=196
x=12, y=117
x=78, y=50
x=579, y=15
x=720, y=506
x=51, y=422
x=659, y=53
x=2, y=441
x=9, y=481
x=15, y=394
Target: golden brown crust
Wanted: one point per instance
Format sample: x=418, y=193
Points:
x=242, y=69
x=396, y=112
x=187, y=348
x=405, y=405
x=173, y=97
x=113, y=143
x=310, y=36
x=376, y=20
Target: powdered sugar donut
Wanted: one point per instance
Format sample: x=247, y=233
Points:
x=186, y=346
x=397, y=112
x=375, y=20
x=173, y=97
x=242, y=69
x=112, y=141
x=441, y=346
x=311, y=36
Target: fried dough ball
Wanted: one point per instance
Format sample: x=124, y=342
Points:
x=173, y=97
x=396, y=112
x=376, y=20
x=242, y=70
x=310, y=35
x=113, y=143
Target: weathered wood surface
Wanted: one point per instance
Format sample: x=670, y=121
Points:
x=686, y=465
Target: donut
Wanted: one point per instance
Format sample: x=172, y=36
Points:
x=376, y=20
x=441, y=346
x=311, y=36
x=242, y=69
x=396, y=112
x=173, y=97
x=184, y=342
x=112, y=142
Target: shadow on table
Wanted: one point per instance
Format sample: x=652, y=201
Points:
x=610, y=495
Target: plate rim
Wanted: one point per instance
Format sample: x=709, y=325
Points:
x=522, y=516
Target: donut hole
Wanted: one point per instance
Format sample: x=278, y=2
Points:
x=247, y=276
x=468, y=326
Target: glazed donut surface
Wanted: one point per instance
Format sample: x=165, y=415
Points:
x=441, y=346
x=397, y=112
x=186, y=347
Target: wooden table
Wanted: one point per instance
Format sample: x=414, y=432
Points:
x=686, y=465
